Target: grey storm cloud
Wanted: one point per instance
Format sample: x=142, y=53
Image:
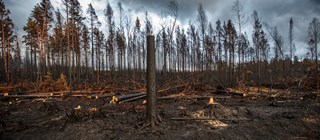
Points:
x=269, y=10
x=187, y=9
x=274, y=12
x=20, y=11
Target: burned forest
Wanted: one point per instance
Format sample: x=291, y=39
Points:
x=171, y=69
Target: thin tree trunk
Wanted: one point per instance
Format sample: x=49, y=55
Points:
x=68, y=45
x=151, y=111
x=86, y=59
x=4, y=53
x=9, y=63
x=316, y=51
x=92, y=49
x=73, y=51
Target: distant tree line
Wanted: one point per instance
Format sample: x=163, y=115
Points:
x=65, y=41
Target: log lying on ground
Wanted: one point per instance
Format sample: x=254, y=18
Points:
x=32, y=96
x=203, y=119
x=231, y=92
x=136, y=96
x=86, y=94
x=127, y=97
x=54, y=93
x=192, y=97
x=41, y=96
x=89, y=94
x=191, y=119
x=123, y=97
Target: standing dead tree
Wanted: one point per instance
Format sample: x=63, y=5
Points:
x=151, y=82
x=240, y=19
x=203, y=23
x=314, y=37
x=93, y=18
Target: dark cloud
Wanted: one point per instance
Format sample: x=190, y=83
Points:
x=20, y=11
x=187, y=9
x=278, y=13
x=316, y=2
x=274, y=12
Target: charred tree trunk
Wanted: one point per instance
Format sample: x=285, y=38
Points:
x=151, y=82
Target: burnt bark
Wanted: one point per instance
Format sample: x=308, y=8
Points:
x=151, y=111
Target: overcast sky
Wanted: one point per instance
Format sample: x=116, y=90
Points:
x=274, y=12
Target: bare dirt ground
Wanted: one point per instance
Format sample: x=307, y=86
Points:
x=238, y=117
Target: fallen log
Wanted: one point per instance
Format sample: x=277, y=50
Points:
x=231, y=92
x=31, y=96
x=134, y=98
x=192, y=97
x=58, y=94
x=192, y=119
x=43, y=96
x=2, y=98
x=123, y=97
x=203, y=119
x=129, y=97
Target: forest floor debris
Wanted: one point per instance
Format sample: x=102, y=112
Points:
x=184, y=116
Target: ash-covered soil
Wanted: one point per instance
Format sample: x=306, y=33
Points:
x=181, y=118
